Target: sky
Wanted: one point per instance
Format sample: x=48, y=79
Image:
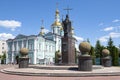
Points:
x=91, y=19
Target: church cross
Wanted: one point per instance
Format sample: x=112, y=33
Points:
x=42, y=21
x=56, y=5
x=68, y=9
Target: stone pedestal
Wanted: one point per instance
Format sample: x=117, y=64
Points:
x=106, y=62
x=23, y=62
x=85, y=63
x=68, y=51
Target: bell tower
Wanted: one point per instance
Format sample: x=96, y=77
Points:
x=57, y=31
x=42, y=29
x=57, y=26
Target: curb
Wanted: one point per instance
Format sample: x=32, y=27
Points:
x=60, y=74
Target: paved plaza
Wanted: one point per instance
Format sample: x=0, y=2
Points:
x=62, y=71
x=20, y=77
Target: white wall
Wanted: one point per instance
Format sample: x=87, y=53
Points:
x=3, y=46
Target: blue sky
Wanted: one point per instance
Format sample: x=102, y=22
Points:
x=93, y=19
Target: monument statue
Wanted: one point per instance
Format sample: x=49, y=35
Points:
x=68, y=43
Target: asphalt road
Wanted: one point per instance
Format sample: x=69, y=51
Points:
x=18, y=77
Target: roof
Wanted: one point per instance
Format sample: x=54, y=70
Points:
x=20, y=36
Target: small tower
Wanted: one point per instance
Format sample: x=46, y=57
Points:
x=42, y=29
x=57, y=31
x=57, y=26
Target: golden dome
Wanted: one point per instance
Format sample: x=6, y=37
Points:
x=57, y=24
x=41, y=33
x=57, y=11
x=61, y=28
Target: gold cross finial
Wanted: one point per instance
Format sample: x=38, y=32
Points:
x=57, y=5
x=42, y=21
x=67, y=9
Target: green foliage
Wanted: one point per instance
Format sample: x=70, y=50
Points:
x=92, y=53
x=3, y=58
x=98, y=50
x=115, y=56
x=119, y=50
x=56, y=57
x=0, y=56
x=110, y=45
x=114, y=52
x=17, y=58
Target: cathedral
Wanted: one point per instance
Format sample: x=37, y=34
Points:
x=42, y=47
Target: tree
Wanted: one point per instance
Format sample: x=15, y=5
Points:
x=98, y=50
x=119, y=50
x=110, y=45
x=111, y=48
x=0, y=56
x=3, y=58
x=114, y=52
x=115, y=56
x=17, y=59
x=58, y=56
x=92, y=53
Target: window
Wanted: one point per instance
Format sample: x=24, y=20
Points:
x=24, y=43
x=58, y=31
x=3, y=43
x=46, y=47
x=30, y=47
x=2, y=47
x=39, y=46
x=53, y=48
x=31, y=44
x=15, y=46
x=53, y=30
x=19, y=45
x=50, y=48
x=2, y=51
x=10, y=46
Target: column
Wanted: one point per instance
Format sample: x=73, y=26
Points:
x=13, y=52
x=34, y=52
x=17, y=47
x=26, y=43
x=22, y=44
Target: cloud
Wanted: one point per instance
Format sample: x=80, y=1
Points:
x=12, y=24
x=112, y=35
x=116, y=20
x=46, y=30
x=103, y=39
x=5, y=36
x=78, y=38
x=117, y=29
x=108, y=28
